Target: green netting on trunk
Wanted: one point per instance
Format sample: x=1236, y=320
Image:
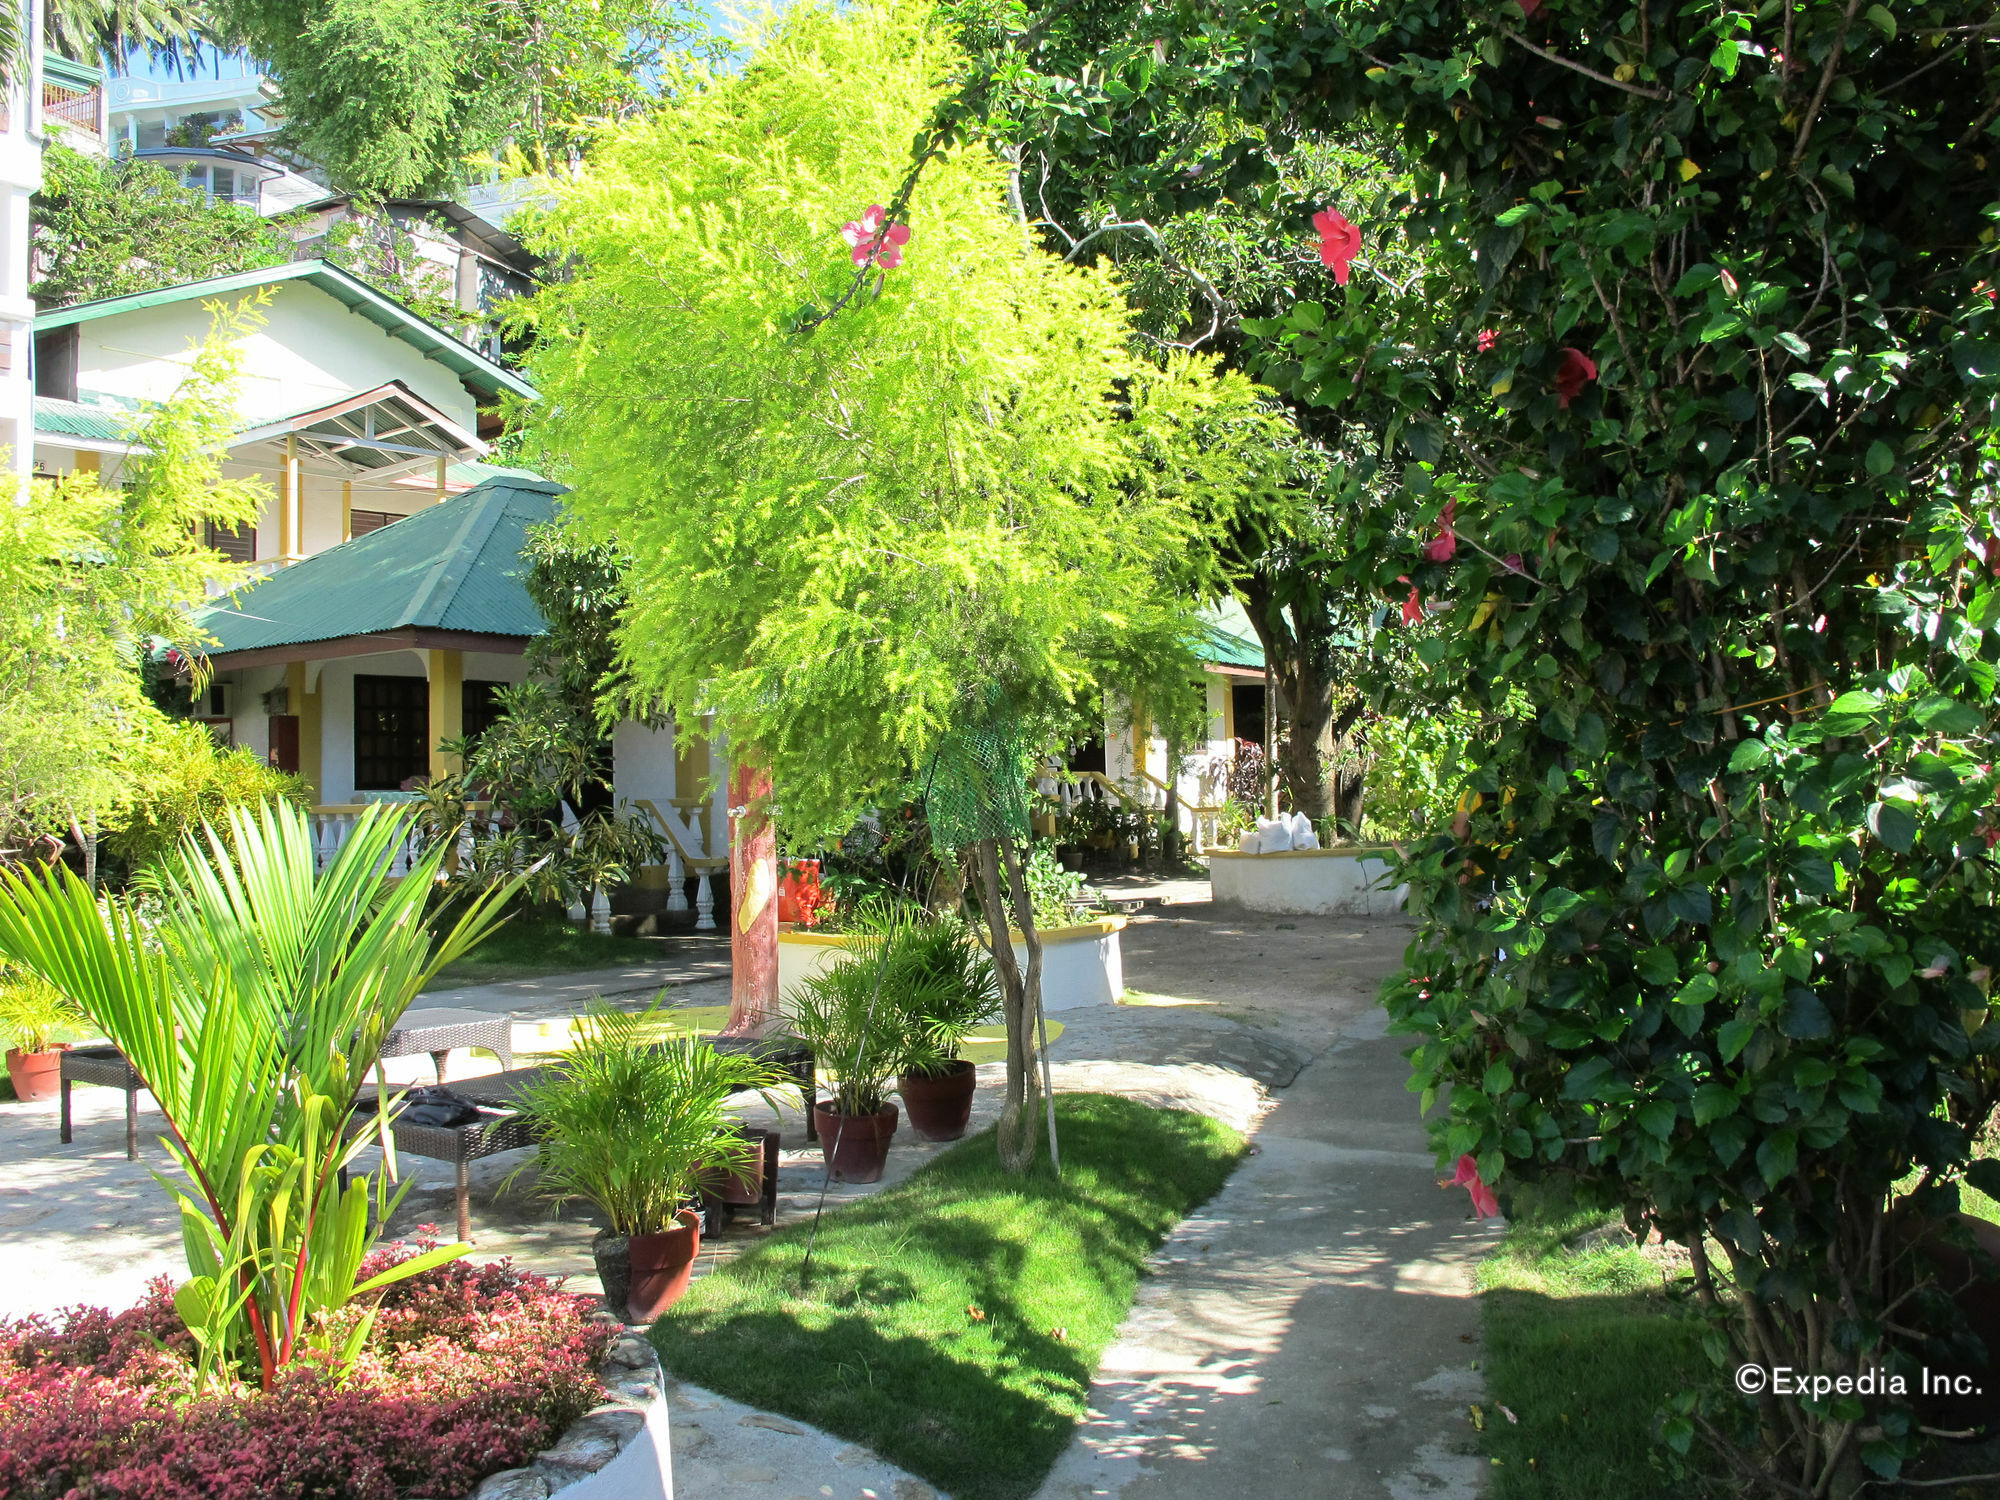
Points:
x=979, y=786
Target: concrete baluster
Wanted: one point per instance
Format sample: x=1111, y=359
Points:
x=704, y=904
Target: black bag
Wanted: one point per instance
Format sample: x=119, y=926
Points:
x=436, y=1106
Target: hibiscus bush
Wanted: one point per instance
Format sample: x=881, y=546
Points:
x=1688, y=417
x=470, y=1370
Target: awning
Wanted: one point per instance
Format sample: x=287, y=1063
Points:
x=380, y=433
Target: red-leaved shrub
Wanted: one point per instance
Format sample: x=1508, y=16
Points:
x=470, y=1370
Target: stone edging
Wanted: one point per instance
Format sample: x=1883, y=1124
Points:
x=633, y=1381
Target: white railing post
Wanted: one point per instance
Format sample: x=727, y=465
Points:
x=677, y=896
x=704, y=904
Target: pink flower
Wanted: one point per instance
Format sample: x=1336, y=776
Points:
x=870, y=241
x=1489, y=340
x=1484, y=1203
x=1573, y=371
x=1413, y=607
x=1441, y=547
x=1529, y=7
x=1512, y=563
x=1339, y=241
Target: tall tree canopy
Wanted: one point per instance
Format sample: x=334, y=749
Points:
x=398, y=98
x=1710, y=532
x=880, y=473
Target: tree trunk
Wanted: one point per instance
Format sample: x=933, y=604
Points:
x=1031, y=939
x=1015, y=1134
x=753, y=893
x=1309, y=691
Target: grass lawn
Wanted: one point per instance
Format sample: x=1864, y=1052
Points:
x=528, y=945
x=1582, y=1346
x=954, y=1320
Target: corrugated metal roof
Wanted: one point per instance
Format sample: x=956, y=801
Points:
x=472, y=367
x=74, y=419
x=452, y=566
x=1226, y=649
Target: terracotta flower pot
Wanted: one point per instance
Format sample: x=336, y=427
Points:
x=855, y=1145
x=739, y=1189
x=661, y=1266
x=940, y=1104
x=613, y=1254
x=36, y=1075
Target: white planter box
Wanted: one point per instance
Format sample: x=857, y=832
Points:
x=1081, y=965
x=1307, y=882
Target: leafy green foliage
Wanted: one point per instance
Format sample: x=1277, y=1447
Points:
x=397, y=97
x=1706, y=376
x=631, y=1123
x=177, y=779
x=166, y=31
x=938, y=985
x=960, y=477
x=109, y=228
x=953, y=1322
x=91, y=577
x=254, y=1007
x=33, y=1012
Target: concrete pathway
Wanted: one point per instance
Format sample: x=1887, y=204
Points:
x=1310, y=1332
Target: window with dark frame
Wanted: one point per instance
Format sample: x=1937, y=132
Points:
x=392, y=723
x=361, y=522
x=238, y=543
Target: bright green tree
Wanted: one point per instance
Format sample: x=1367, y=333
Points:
x=91, y=577
x=866, y=505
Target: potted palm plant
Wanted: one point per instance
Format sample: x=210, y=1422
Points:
x=632, y=1125
x=32, y=1011
x=857, y=1041
x=939, y=984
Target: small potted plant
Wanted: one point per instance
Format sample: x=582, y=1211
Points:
x=632, y=1125
x=32, y=1011
x=857, y=1040
x=941, y=985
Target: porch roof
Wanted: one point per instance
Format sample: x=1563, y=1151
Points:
x=448, y=576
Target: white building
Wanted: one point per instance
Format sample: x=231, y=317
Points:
x=214, y=134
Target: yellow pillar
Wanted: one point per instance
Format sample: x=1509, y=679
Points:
x=1139, y=748
x=438, y=494
x=1229, y=712
x=306, y=705
x=289, y=505
x=347, y=510
x=447, y=674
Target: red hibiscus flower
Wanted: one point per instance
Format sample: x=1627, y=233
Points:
x=1339, y=241
x=1441, y=547
x=1489, y=340
x=1413, y=607
x=868, y=241
x=1484, y=1203
x=1573, y=371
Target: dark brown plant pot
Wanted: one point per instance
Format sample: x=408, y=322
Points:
x=36, y=1075
x=661, y=1267
x=856, y=1146
x=613, y=1254
x=740, y=1189
x=940, y=1104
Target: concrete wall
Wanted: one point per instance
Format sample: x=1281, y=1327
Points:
x=1307, y=882
x=310, y=351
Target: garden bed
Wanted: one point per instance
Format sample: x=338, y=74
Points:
x=471, y=1370
x=954, y=1321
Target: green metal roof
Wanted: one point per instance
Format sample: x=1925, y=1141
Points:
x=451, y=566
x=1224, y=648
x=473, y=368
x=73, y=419
x=78, y=75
